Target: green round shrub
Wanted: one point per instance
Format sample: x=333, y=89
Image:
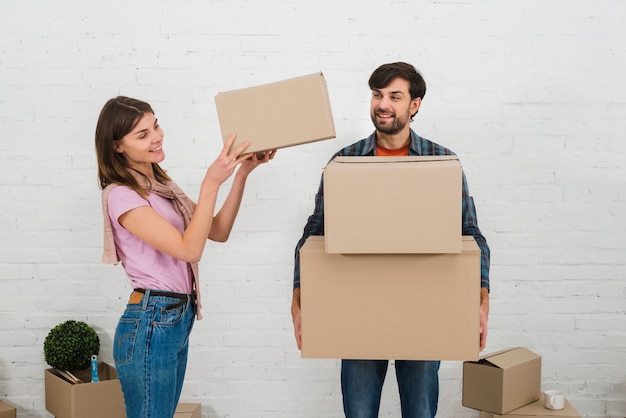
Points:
x=70, y=345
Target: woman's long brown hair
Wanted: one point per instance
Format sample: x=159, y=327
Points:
x=118, y=117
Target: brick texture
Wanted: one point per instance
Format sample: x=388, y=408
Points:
x=531, y=95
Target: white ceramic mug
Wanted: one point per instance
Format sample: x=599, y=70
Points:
x=555, y=399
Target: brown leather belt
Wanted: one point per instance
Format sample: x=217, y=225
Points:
x=138, y=295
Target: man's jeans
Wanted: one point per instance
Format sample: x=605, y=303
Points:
x=362, y=383
x=150, y=351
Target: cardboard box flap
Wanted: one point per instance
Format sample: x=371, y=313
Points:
x=188, y=410
x=7, y=410
x=537, y=409
x=509, y=358
x=398, y=159
x=186, y=407
x=316, y=243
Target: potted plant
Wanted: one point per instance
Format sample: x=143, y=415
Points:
x=70, y=345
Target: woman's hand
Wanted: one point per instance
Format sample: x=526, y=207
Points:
x=256, y=160
x=224, y=165
x=225, y=218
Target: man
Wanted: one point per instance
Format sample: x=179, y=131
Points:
x=397, y=93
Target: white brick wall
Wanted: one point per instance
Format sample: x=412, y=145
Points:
x=531, y=95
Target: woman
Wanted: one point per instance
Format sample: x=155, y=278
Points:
x=158, y=234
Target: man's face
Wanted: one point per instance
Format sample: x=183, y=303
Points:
x=391, y=107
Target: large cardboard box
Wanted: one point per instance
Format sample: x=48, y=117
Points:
x=103, y=399
x=390, y=306
x=536, y=409
x=503, y=381
x=188, y=410
x=393, y=205
x=277, y=115
x=6, y=410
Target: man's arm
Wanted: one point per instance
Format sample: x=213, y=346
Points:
x=470, y=227
x=314, y=226
x=295, y=316
x=484, y=316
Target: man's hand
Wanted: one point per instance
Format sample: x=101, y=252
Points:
x=484, y=315
x=295, y=316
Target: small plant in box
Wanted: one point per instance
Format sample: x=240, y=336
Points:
x=70, y=345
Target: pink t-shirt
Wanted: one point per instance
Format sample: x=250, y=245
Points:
x=146, y=266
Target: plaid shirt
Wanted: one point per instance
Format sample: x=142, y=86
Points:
x=417, y=146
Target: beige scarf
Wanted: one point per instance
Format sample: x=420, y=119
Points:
x=182, y=205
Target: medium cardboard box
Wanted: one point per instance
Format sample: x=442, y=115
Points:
x=6, y=410
x=393, y=205
x=188, y=410
x=503, y=381
x=277, y=115
x=103, y=399
x=390, y=306
x=536, y=409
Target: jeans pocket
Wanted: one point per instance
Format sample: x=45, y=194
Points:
x=124, y=341
x=166, y=316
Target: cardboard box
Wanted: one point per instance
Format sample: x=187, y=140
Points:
x=103, y=399
x=503, y=381
x=188, y=410
x=6, y=410
x=393, y=205
x=277, y=115
x=536, y=409
x=390, y=306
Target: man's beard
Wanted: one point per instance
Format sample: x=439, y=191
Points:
x=392, y=128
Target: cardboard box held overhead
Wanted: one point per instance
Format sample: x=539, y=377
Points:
x=393, y=205
x=277, y=115
x=103, y=399
x=536, y=409
x=390, y=306
x=503, y=381
x=6, y=410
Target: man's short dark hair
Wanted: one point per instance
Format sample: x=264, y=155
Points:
x=386, y=73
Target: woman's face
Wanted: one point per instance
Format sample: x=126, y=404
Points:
x=144, y=144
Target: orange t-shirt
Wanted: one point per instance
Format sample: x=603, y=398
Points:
x=386, y=152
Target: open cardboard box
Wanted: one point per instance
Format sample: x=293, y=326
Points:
x=390, y=306
x=277, y=115
x=402, y=205
x=103, y=399
x=188, y=410
x=503, y=381
x=536, y=409
x=7, y=410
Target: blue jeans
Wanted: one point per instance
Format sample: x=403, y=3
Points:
x=362, y=384
x=150, y=351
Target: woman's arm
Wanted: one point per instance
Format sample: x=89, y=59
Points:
x=145, y=223
x=225, y=218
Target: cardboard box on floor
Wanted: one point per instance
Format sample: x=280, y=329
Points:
x=103, y=399
x=503, y=381
x=390, y=306
x=188, y=410
x=7, y=410
x=536, y=409
x=277, y=115
x=393, y=205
